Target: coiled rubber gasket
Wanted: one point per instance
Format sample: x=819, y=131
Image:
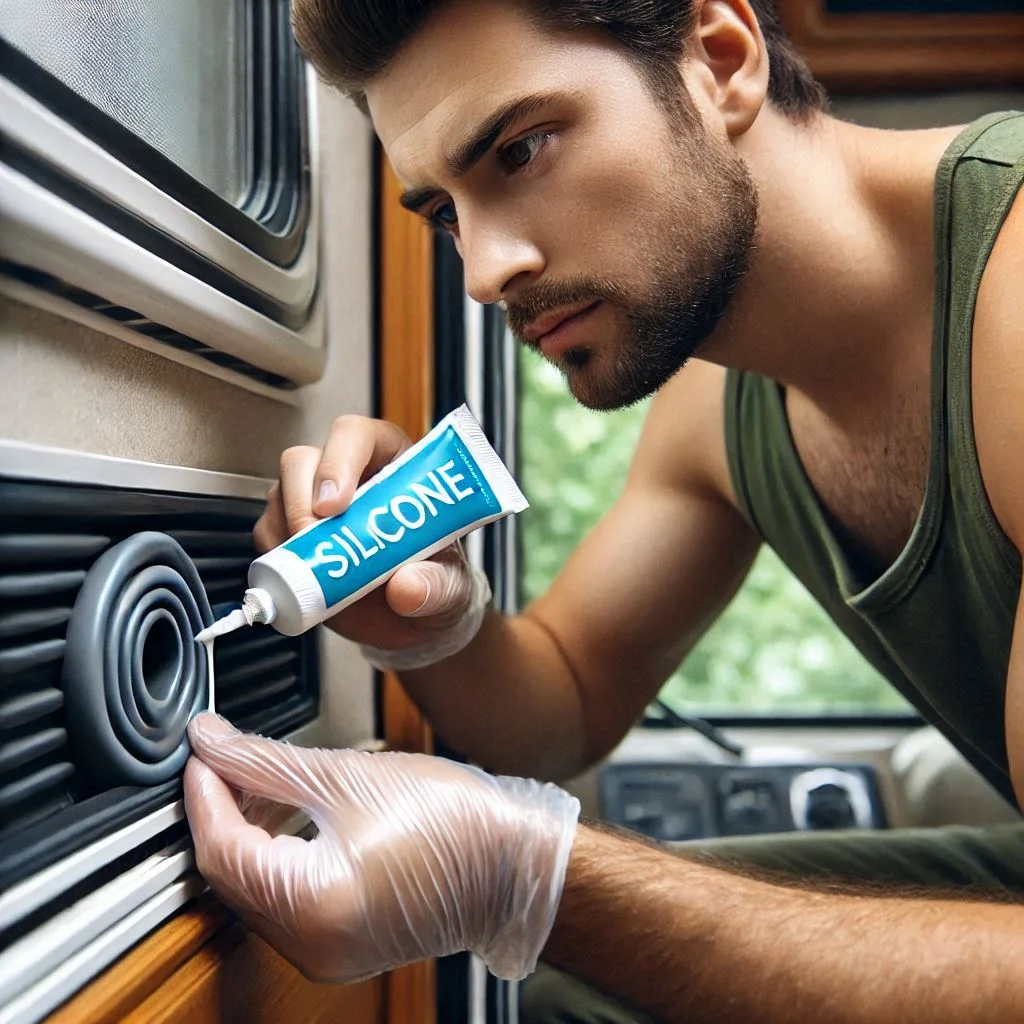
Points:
x=133, y=675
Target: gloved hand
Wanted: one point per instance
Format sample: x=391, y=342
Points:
x=416, y=856
x=428, y=610
x=452, y=584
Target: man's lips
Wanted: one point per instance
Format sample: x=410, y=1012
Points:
x=536, y=329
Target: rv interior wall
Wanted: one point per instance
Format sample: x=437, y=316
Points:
x=70, y=387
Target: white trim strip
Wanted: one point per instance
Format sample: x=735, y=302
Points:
x=68, y=977
x=49, y=883
x=32, y=958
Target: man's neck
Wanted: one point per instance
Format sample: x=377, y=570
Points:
x=837, y=303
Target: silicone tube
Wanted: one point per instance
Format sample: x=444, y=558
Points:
x=444, y=486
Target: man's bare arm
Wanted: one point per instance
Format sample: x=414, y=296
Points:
x=545, y=692
x=684, y=941
x=549, y=691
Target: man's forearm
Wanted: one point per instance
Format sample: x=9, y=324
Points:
x=508, y=701
x=687, y=942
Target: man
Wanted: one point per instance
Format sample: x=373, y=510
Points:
x=637, y=183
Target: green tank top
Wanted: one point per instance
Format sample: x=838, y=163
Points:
x=939, y=621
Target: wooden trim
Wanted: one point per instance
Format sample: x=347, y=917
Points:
x=406, y=361
x=205, y=967
x=115, y=993
x=872, y=52
x=238, y=977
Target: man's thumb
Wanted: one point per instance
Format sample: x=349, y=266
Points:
x=424, y=589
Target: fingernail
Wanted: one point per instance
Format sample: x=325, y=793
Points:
x=212, y=726
x=328, y=490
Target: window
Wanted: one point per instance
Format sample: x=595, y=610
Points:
x=156, y=179
x=127, y=61
x=773, y=651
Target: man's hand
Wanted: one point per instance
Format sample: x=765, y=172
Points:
x=423, y=602
x=415, y=856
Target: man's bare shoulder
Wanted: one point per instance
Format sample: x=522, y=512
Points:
x=998, y=375
x=683, y=442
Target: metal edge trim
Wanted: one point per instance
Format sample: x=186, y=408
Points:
x=39, y=298
x=39, y=462
x=80, y=159
x=55, y=236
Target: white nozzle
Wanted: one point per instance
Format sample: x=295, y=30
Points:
x=232, y=621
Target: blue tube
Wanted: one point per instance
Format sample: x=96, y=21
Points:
x=441, y=488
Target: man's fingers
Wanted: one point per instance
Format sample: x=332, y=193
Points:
x=356, y=448
x=271, y=528
x=298, y=470
x=268, y=815
x=255, y=764
x=224, y=840
x=242, y=863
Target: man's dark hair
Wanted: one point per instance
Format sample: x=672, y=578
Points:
x=351, y=42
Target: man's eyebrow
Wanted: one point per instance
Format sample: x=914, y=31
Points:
x=416, y=198
x=467, y=154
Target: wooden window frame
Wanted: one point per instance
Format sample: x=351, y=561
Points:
x=406, y=398
x=877, y=52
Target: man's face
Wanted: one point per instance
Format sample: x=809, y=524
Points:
x=613, y=232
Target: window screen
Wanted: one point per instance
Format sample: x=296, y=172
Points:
x=177, y=75
x=205, y=100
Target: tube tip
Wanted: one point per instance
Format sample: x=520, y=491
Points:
x=228, y=624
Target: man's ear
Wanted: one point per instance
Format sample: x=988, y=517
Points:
x=726, y=67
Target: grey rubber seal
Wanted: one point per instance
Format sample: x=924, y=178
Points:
x=133, y=675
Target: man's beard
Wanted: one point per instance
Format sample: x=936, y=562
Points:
x=693, y=273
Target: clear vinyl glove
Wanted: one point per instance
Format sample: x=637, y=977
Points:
x=415, y=856
x=455, y=599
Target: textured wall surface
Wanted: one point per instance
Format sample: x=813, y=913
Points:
x=67, y=386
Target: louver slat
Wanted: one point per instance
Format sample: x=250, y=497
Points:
x=28, y=707
x=255, y=696
x=18, y=752
x=41, y=549
x=255, y=667
x=50, y=535
x=35, y=621
x=17, y=660
x=39, y=584
x=35, y=785
x=213, y=566
x=213, y=540
x=236, y=647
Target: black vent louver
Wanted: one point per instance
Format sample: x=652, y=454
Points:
x=50, y=535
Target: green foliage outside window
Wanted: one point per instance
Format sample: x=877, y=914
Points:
x=773, y=649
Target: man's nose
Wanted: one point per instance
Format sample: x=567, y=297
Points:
x=497, y=262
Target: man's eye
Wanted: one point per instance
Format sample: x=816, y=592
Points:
x=444, y=216
x=519, y=153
